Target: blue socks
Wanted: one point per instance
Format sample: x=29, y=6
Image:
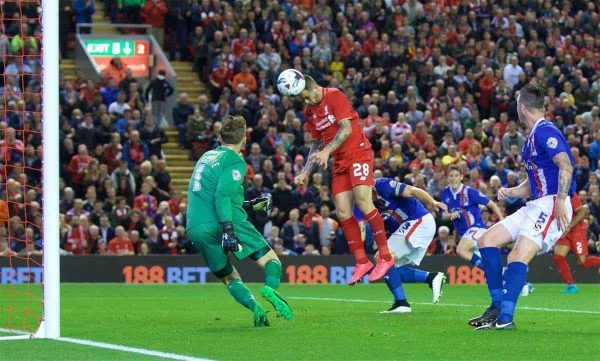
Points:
x=491, y=262
x=476, y=260
x=412, y=275
x=514, y=279
x=393, y=279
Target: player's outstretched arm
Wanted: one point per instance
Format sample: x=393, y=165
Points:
x=565, y=174
x=497, y=211
x=302, y=178
x=424, y=197
x=523, y=190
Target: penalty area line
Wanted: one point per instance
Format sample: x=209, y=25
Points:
x=543, y=309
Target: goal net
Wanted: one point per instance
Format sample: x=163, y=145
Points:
x=29, y=266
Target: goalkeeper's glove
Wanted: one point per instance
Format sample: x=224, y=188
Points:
x=229, y=241
x=262, y=203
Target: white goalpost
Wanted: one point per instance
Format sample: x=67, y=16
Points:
x=49, y=326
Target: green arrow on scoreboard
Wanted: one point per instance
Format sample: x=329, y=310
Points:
x=109, y=47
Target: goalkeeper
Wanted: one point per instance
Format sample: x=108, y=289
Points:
x=217, y=223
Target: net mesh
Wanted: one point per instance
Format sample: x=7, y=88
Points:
x=20, y=166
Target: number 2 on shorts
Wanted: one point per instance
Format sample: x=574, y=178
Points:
x=361, y=170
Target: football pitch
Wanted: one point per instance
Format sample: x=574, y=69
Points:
x=331, y=322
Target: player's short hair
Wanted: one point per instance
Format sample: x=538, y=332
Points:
x=453, y=167
x=310, y=82
x=233, y=129
x=533, y=97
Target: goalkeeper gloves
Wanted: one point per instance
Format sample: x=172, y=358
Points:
x=229, y=240
x=262, y=203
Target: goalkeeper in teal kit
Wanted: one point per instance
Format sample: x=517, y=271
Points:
x=217, y=222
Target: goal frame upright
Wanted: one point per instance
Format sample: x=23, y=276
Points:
x=50, y=324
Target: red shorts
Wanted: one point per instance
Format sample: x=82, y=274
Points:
x=349, y=172
x=576, y=240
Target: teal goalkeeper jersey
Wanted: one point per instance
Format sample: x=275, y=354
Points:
x=216, y=192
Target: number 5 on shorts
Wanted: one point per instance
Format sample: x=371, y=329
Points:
x=361, y=170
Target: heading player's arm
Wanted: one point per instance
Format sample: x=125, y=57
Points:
x=340, y=137
x=310, y=163
x=424, y=197
x=565, y=174
x=342, y=134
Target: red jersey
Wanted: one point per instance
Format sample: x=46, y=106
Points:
x=323, y=122
x=119, y=246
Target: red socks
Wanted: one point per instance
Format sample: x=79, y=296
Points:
x=353, y=236
x=591, y=262
x=563, y=269
x=378, y=229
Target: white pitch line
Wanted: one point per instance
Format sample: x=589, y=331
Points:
x=589, y=312
x=141, y=351
x=165, y=355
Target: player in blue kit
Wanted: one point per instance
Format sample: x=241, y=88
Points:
x=463, y=209
x=536, y=226
x=413, y=228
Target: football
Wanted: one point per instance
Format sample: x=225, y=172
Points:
x=290, y=82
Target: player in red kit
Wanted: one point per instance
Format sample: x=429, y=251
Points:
x=575, y=240
x=332, y=122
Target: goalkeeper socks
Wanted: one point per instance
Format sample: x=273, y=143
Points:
x=413, y=275
x=563, y=269
x=476, y=260
x=242, y=294
x=393, y=280
x=354, y=239
x=378, y=228
x=492, y=266
x=591, y=262
x=272, y=273
x=514, y=278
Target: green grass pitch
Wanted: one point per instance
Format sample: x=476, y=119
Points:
x=331, y=322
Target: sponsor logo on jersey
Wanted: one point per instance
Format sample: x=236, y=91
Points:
x=325, y=122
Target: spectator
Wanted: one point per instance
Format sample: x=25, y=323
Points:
x=324, y=227
x=153, y=137
x=293, y=231
x=181, y=113
x=116, y=71
x=110, y=91
x=84, y=10
x=269, y=60
x=118, y=107
x=135, y=151
x=158, y=91
x=154, y=12
x=120, y=245
x=244, y=77
x=512, y=72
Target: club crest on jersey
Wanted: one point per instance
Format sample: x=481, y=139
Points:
x=236, y=175
x=552, y=143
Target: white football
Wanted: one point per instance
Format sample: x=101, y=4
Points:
x=290, y=82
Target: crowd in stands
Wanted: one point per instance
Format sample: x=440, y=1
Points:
x=434, y=84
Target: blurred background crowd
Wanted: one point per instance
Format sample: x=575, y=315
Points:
x=433, y=82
